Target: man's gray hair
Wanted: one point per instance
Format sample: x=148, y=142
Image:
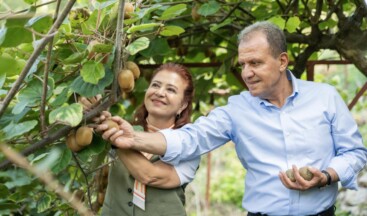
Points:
x=274, y=35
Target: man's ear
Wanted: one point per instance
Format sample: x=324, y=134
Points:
x=284, y=60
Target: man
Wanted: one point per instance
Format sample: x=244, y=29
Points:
x=280, y=123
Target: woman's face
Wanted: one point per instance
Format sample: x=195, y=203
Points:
x=165, y=94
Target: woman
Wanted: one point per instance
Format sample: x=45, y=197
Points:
x=142, y=184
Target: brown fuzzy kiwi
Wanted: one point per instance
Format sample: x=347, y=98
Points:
x=71, y=142
x=305, y=173
x=134, y=68
x=290, y=175
x=84, y=136
x=128, y=9
x=111, y=124
x=126, y=80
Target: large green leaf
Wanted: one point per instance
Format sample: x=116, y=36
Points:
x=92, y=72
x=96, y=147
x=89, y=90
x=40, y=24
x=32, y=93
x=14, y=32
x=278, y=20
x=171, y=31
x=69, y=115
x=63, y=160
x=292, y=24
x=158, y=46
x=138, y=45
x=43, y=203
x=209, y=8
x=17, y=129
x=173, y=11
x=8, y=65
x=4, y=191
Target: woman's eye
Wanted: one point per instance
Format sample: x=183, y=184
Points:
x=171, y=90
x=155, y=85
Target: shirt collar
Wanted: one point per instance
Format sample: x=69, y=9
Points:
x=290, y=98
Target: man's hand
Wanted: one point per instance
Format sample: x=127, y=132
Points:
x=319, y=179
x=122, y=137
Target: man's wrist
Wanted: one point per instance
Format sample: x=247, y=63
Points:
x=328, y=178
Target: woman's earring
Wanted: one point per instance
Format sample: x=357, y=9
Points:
x=178, y=115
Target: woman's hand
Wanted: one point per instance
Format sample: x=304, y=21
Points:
x=89, y=103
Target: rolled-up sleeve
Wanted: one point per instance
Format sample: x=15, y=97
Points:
x=351, y=154
x=193, y=140
x=186, y=170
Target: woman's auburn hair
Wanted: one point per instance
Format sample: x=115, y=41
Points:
x=185, y=117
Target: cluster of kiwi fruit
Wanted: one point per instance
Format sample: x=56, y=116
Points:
x=127, y=76
x=83, y=136
x=79, y=139
x=303, y=171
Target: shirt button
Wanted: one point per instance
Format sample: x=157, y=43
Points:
x=130, y=204
x=129, y=190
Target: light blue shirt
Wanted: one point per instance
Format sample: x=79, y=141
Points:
x=313, y=128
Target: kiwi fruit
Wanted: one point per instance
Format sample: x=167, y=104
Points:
x=126, y=80
x=84, y=136
x=290, y=175
x=111, y=124
x=305, y=173
x=128, y=10
x=71, y=142
x=134, y=68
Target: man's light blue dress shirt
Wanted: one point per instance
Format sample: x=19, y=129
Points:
x=313, y=128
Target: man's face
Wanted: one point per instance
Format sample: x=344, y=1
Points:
x=261, y=71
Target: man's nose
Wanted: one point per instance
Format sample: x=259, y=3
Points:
x=246, y=72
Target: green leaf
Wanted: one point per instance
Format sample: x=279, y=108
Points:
x=75, y=58
x=8, y=65
x=220, y=25
x=138, y=45
x=49, y=159
x=4, y=191
x=32, y=93
x=13, y=130
x=96, y=147
x=292, y=24
x=171, y=31
x=89, y=90
x=40, y=24
x=92, y=72
x=14, y=32
x=69, y=115
x=143, y=27
x=30, y=1
x=63, y=159
x=277, y=20
x=60, y=98
x=43, y=203
x=101, y=48
x=209, y=8
x=158, y=46
x=173, y=11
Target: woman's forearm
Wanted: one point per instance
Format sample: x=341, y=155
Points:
x=157, y=174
